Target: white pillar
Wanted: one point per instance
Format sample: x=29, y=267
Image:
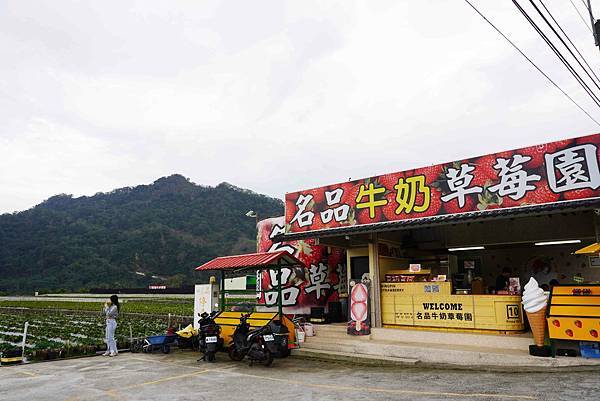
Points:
x=375, y=281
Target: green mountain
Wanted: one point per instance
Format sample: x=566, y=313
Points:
x=125, y=237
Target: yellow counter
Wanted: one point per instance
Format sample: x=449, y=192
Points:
x=408, y=304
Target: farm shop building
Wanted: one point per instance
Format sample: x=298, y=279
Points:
x=449, y=246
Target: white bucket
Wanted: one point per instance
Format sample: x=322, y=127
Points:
x=309, y=329
x=300, y=335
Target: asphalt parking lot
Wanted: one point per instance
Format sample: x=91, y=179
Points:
x=178, y=376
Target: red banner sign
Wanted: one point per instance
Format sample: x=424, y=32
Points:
x=558, y=171
x=322, y=281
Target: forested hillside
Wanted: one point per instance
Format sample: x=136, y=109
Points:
x=125, y=237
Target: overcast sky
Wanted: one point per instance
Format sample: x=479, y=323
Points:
x=273, y=96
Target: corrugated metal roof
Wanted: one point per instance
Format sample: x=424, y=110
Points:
x=565, y=206
x=250, y=260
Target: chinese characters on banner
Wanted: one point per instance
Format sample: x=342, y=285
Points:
x=321, y=281
x=557, y=171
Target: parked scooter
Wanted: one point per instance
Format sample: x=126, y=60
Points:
x=258, y=345
x=209, y=340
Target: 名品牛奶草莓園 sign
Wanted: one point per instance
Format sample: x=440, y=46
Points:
x=565, y=170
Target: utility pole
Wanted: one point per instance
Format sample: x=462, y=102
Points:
x=595, y=24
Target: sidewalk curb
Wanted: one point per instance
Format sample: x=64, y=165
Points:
x=372, y=360
x=363, y=360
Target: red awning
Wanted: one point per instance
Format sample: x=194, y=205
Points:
x=265, y=259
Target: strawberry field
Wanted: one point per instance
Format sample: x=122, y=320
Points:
x=153, y=307
x=59, y=329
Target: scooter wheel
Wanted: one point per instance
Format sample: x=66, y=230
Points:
x=210, y=357
x=268, y=358
x=234, y=353
x=166, y=349
x=284, y=353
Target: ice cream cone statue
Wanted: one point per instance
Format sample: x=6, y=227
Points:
x=534, y=303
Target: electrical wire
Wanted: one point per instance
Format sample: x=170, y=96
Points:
x=581, y=16
x=563, y=42
x=569, y=39
x=531, y=62
x=585, y=5
x=558, y=54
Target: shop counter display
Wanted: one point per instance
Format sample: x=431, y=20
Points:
x=416, y=304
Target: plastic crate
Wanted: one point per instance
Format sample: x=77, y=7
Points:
x=589, y=349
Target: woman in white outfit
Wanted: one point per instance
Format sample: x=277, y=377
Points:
x=111, y=310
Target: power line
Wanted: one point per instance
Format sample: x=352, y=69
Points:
x=558, y=54
x=563, y=42
x=588, y=7
x=531, y=62
x=569, y=39
x=581, y=16
x=593, y=22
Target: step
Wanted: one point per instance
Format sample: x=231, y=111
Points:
x=336, y=334
x=335, y=347
x=459, y=360
x=372, y=360
x=348, y=340
x=465, y=357
x=517, y=341
x=358, y=342
x=357, y=345
x=507, y=341
x=330, y=328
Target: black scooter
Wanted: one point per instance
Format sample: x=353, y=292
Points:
x=258, y=345
x=209, y=340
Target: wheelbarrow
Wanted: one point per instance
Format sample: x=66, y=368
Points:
x=155, y=343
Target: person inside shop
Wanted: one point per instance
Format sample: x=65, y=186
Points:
x=545, y=275
x=502, y=280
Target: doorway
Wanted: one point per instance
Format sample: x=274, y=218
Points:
x=359, y=266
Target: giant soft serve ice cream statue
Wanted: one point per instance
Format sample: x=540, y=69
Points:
x=534, y=302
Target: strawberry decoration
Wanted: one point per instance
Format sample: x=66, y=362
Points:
x=581, y=193
x=318, y=223
x=431, y=173
x=452, y=206
x=351, y=190
x=542, y=194
x=363, y=217
x=389, y=210
x=537, y=152
x=318, y=197
x=388, y=181
x=485, y=174
x=265, y=228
